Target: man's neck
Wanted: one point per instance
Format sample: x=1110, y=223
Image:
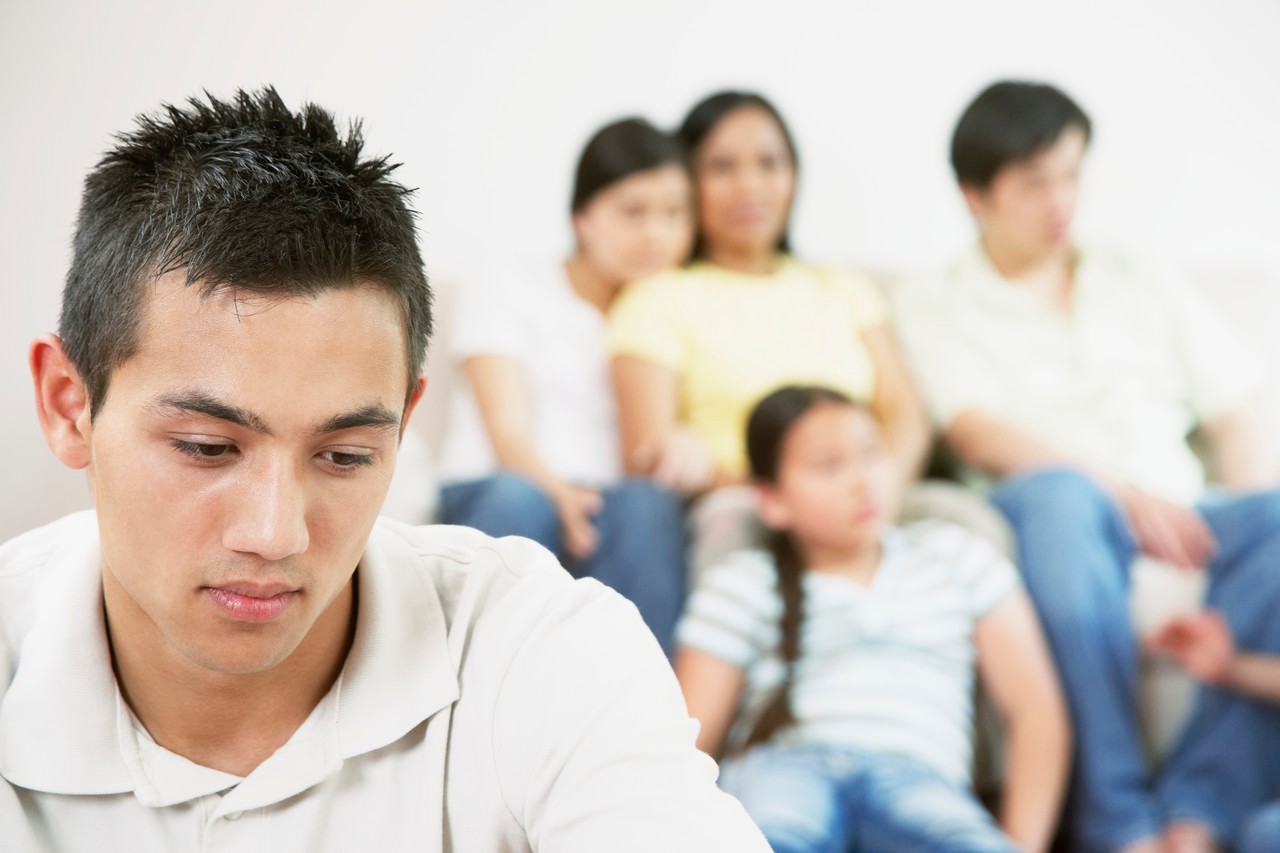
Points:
x=229, y=721
x=1049, y=276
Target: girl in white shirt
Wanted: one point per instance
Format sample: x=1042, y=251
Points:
x=532, y=448
x=836, y=668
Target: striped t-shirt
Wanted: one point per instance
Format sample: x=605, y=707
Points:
x=887, y=667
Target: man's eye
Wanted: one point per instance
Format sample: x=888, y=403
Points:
x=347, y=460
x=199, y=450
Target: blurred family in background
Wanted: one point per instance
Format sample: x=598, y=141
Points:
x=734, y=438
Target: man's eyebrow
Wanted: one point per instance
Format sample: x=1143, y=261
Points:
x=377, y=416
x=201, y=403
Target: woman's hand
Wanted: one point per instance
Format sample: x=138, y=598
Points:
x=680, y=462
x=577, y=507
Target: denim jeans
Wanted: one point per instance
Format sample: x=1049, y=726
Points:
x=828, y=799
x=1262, y=832
x=1075, y=549
x=641, y=545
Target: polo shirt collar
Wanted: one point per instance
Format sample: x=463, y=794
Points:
x=974, y=270
x=65, y=729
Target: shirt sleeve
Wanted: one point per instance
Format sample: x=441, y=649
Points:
x=645, y=322
x=488, y=318
x=1220, y=372
x=604, y=759
x=988, y=577
x=867, y=303
x=949, y=369
x=733, y=614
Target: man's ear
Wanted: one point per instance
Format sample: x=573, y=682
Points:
x=62, y=401
x=415, y=397
x=975, y=198
x=774, y=514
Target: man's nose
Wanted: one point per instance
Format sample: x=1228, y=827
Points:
x=270, y=515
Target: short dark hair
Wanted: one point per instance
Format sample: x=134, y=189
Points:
x=242, y=194
x=1007, y=123
x=708, y=112
x=619, y=150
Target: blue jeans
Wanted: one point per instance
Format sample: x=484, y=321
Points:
x=641, y=545
x=1262, y=832
x=828, y=799
x=1075, y=549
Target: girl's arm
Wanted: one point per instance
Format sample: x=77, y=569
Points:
x=896, y=405
x=712, y=688
x=1018, y=674
x=653, y=443
x=506, y=409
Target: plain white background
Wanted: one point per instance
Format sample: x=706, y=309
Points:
x=487, y=102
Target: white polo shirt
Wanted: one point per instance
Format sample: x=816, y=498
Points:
x=489, y=703
x=1119, y=383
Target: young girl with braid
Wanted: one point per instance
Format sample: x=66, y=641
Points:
x=834, y=669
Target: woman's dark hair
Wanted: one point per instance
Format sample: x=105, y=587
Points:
x=767, y=428
x=703, y=118
x=1008, y=122
x=619, y=150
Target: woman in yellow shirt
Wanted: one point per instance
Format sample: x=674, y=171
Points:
x=694, y=349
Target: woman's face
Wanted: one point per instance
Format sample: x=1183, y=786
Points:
x=639, y=225
x=746, y=181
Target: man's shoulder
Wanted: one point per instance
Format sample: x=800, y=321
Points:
x=33, y=549
x=478, y=577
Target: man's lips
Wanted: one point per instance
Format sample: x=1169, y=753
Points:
x=251, y=602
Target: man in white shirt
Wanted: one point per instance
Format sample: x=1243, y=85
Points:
x=231, y=652
x=1072, y=379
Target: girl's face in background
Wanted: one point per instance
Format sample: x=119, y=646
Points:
x=746, y=182
x=836, y=481
x=639, y=225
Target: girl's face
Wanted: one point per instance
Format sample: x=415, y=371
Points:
x=746, y=181
x=836, y=485
x=639, y=225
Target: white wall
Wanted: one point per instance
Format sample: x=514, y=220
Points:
x=487, y=102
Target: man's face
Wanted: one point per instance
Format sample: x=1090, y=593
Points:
x=238, y=464
x=1027, y=211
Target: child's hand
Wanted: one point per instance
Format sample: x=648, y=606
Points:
x=1200, y=644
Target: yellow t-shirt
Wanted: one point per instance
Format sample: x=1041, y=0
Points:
x=733, y=338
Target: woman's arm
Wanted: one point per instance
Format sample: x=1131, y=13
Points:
x=1018, y=674
x=896, y=405
x=653, y=443
x=503, y=399
x=712, y=688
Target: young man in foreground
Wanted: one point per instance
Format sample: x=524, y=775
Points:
x=231, y=651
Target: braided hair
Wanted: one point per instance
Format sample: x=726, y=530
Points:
x=767, y=428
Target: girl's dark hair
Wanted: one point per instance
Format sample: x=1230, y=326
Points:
x=1008, y=122
x=767, y=428
x=620, y=150
x=703, y=118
